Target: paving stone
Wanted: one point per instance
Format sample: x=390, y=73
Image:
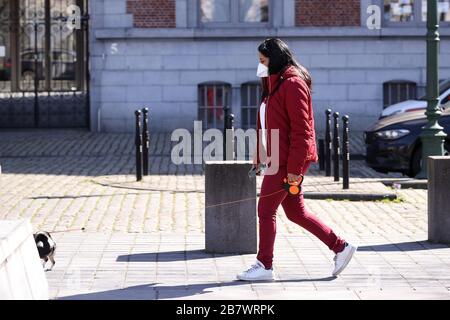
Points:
x=146, y=240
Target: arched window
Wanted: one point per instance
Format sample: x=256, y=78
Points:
x=212, y=98
x=397, y=91
x=250, y=102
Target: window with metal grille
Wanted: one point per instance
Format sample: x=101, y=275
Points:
x=250, y=102
x=398, y=91
x=213, y=97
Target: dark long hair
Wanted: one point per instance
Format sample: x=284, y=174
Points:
x=280, y=58
x=264, y=87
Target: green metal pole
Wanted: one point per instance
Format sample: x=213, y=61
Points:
x=432, y=135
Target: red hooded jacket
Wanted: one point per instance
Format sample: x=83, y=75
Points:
x=289, y=109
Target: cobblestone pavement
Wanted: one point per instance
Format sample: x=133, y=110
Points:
x=66, y=143
x=145, y=240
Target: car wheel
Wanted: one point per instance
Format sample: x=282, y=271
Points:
x=416, y=161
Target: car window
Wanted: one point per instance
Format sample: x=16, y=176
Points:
x=446, y=99
x=445, y=103
x=443, y=86
x=63, y=56
x=30, y=56
x=66, y=57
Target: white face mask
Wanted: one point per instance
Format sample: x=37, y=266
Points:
x=263, y=71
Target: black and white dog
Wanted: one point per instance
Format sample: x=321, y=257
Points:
x=46, y=248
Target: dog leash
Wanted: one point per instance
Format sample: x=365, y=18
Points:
x=289, y=188
x=292, y=189
x=205, y=207
x=68, y=230
x=243, y=200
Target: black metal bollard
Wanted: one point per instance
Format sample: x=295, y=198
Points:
x=346, y=153
x=336, y=146
x=138, y=143
x=226, y=111
x=230, y=138
x=145, y=141
x=328, y=144
x=321, y=154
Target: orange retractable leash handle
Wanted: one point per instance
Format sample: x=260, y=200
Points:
x=294, y=188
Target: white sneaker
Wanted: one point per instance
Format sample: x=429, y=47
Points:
x=342, y=259
x=257, y=272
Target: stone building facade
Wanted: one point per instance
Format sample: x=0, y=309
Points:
x=186, y=59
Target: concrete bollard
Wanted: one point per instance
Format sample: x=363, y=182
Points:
x=438, y=199
x=230, y=224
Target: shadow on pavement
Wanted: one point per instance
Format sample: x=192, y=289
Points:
x=80, y=196
x=404, y=246
x=170, y=256
x=153, y=291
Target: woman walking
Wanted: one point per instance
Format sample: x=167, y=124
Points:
x=287, y=107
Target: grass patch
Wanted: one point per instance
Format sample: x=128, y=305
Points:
x=388, y=201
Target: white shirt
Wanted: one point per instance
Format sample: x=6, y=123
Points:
x=262, y=116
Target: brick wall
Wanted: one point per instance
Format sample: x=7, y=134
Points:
x=152, y=13
x=327, y=13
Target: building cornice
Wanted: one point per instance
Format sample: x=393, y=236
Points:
x=240, y=33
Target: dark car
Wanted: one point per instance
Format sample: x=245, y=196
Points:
x=421, y=103
x=63, y=65
x=394, y=145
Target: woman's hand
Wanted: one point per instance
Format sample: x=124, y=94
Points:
x=294, y=179
x=257, y=166
x=255, y=170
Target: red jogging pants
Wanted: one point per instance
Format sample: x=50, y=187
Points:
x=295, y=210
